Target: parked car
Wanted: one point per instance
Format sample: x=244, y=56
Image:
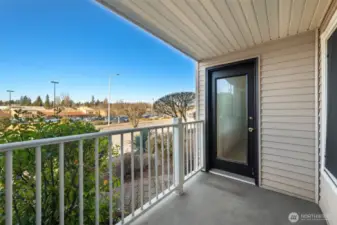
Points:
x=75, y=118
x=52, y=120
x=89, y=119
x=112, y=119
x=123, y=119
x=146, y=116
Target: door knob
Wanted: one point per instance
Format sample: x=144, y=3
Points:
x=250, y=129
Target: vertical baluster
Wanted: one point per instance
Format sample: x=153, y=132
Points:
x=61, y=182
x=195, y=147
x=156, y=160
x=201, y=134
x=141, y=172
x=173, y=153
x=191, y=148
x=198, y=145
x=122, y=177
x=149, y=164
x=38, y=185
x=132, y=177
x=202, y=145
x=110, y=180
x=97, y=181
x=80, y=180
x=9, y=187
x=186, y=148
x=162, y=161
x=168, y=159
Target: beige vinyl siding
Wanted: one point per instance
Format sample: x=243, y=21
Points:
x=287, y=110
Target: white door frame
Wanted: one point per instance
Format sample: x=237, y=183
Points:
x=332, y=26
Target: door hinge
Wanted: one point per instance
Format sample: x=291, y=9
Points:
x=253, y=171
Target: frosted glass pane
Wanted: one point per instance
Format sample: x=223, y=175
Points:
x=231, y=114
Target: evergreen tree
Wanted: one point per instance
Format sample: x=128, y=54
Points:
x=47, y=102
x=38, y=101
x=92, y=103
x=25, y=101
x=98, y=102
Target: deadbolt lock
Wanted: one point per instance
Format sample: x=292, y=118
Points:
x=250, y=129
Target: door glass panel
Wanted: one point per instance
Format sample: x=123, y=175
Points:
x=232, y=121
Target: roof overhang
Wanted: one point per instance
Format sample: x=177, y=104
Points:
x=204, y=29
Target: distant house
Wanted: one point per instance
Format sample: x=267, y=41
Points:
x=87, y=110
x=63, y=113
x=28, y=111
x=104, y=112
x=73, y=114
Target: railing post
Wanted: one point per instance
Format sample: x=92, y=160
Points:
x=203, y=146
x=178, y=150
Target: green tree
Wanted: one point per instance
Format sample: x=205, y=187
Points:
x=38, y=101
x=24, y=183
x=25, y=101
x=47, y=102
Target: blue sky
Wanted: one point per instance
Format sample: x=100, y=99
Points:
x=80, y=44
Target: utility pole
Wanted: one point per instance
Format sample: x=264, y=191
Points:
x=10, y=102
x=109, y=99
x=54, y=103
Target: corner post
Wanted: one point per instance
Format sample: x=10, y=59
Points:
x=178, y=151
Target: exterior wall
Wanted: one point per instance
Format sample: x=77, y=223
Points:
x=328, y=190
x=287, y=112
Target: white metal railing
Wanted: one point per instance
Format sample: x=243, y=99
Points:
x=180, y=143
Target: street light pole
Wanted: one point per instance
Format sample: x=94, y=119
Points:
x=54, y=103
x=109, y=99
x=10, y=102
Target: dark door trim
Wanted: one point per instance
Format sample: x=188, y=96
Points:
x=208, y=115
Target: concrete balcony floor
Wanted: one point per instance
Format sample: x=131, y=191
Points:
x=213, y=200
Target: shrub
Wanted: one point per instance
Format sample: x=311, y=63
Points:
x=160, y=138
x=24, y=184
x=4, y=123
x=137, y=140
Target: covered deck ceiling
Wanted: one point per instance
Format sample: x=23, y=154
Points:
x=204, y=29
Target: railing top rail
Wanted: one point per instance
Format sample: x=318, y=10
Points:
x=196, y=121
x=58, y=140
